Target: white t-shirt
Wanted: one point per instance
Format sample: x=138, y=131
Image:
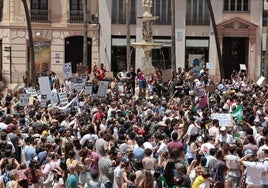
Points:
x=233, y=165
x=264, y=180
x=206, y=147
x=254, y=172
x=226, y=138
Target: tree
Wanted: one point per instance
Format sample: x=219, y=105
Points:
x=128, y=34
x=216, y=38
x=173, y=54
x=85, y=45
x=31, y=44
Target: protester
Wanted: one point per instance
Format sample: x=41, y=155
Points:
x=162, y=138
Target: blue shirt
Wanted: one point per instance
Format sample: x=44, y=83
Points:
x=72, y=181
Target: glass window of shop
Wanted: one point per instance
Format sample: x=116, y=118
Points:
x=196, y=52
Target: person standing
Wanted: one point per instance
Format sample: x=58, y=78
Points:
x=142, y=83
x=255, y=170
x=26, y=79
x=72, y=180
x=131, y=76
x=106, y=169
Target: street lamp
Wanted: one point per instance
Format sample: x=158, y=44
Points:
x=8, y=49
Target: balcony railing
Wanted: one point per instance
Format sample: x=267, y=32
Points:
x=76, y=16
x=40, y=15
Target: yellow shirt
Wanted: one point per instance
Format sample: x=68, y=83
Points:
x=198, y=181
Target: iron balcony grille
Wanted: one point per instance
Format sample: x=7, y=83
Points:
x=76, y=16
x=38, y=15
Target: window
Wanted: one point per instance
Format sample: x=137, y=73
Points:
x=39, y=10
x=39, y=5
x=76, y=14
x=236, y=5
x=119, y=12
x=197, y=13
x=76, y=5
x=162, y=9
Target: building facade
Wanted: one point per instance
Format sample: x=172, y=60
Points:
x=57, y=28
x=239, y=26
x=58, y=35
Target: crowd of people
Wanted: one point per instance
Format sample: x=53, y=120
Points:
x=162, y=134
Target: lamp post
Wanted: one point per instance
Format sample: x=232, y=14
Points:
x=8, y=49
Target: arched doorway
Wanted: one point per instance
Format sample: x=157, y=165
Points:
x=74, y=51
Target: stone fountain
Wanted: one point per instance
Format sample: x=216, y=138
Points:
x=147, y=43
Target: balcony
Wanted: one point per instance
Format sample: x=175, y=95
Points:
x=40, y=15
x=76, y=16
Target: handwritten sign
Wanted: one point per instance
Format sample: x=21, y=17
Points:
x=67, y=70
x=24, y=99
x=225, y=119
x=88, y=88
x=63, y=98
x=260, y=80
x=79, y=85
x=43, y=102
x=30, y=91
x=103, y=86
x=243, y=67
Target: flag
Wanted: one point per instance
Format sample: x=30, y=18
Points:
x=238, y=113
x=203, y=102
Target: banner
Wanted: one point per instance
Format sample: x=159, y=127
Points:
x=238, y=113
x=67, y=70
x=66, y=107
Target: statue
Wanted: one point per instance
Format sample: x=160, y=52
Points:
x=147, y=4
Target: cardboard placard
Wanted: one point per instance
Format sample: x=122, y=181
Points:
x=67, y=70
x=225, y=119
x=243, y=67
x=103, y=86
x=167, y=75
x=210, y=88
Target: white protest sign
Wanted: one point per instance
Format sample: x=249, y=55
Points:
x=45, y=88
x=225, y=119
x=84, y=78
x=43, y=102
x=260, y=80
x=209, y=65
x=243, y=67
x=67, y=70
x=88, y=89
x=79, y=84
x=30, y=91
x=54, y=98
x=24, y=99
x=103, y=86
x=63, y=98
